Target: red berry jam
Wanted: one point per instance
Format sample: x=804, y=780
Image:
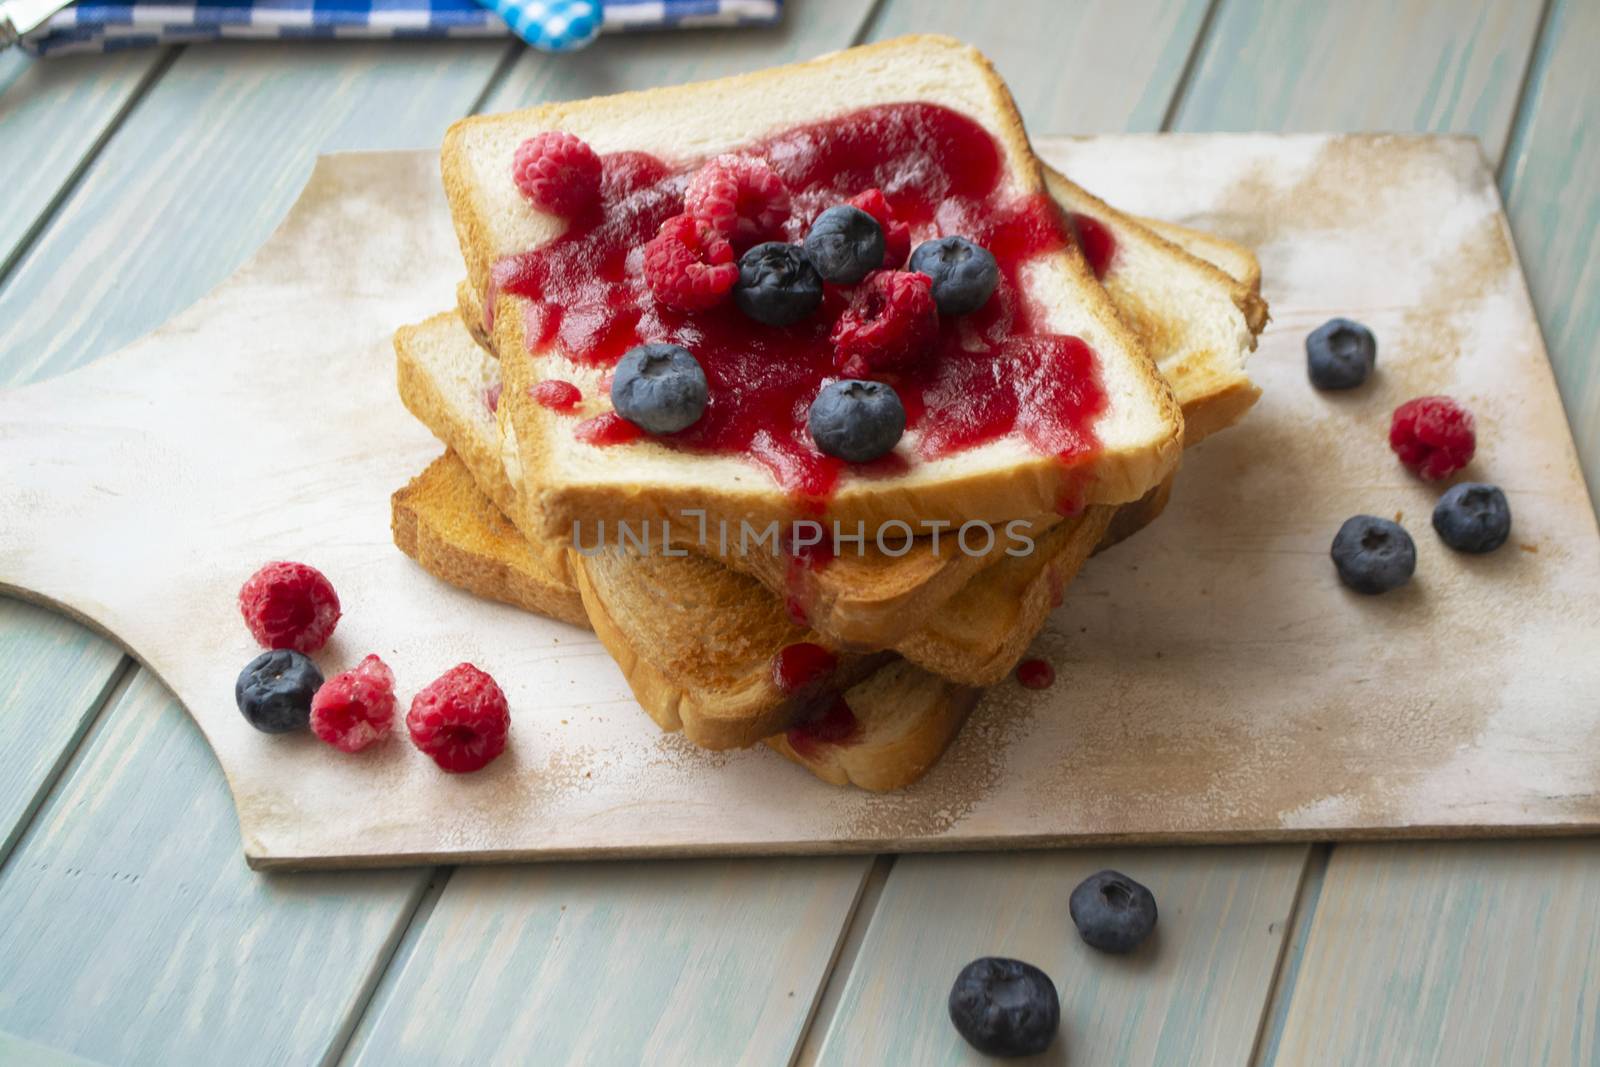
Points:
x=607, y=429
x=1095, y=241
x=988, y=375
x=837, y=725
x=491, y=398
x=802, y=665
x=1036, y=674
x=557, y=395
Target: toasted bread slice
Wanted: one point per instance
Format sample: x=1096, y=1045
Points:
x=1199, y=322
x=446, y=523
x=1135, y=424
x=903, y=718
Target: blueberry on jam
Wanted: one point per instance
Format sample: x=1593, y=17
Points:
x=845, y=244
x=858, y=421
x=964, y=274
x=777, y=284
x=660, y=388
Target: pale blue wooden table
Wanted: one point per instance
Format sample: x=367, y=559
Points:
x=131, y=931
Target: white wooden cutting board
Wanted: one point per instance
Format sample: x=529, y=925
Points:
x=1215, y=681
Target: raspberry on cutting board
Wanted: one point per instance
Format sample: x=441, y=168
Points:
x=289, y=605
x=1434, y=436
x=460, y=720
x=355, y=709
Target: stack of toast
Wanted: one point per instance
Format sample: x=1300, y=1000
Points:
x=857, y=656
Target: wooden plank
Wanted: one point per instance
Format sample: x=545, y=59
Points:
x=1092, y=67
x=53, y=676
x=710, y=962
x=133, y=933
x=1194, y=995
x=1483, y=952
x=60, y=109
x=1449, y=954
x=164, y=213
x=646, y=60
x=1424, y=65
x=174, y=202
x=1552, y=189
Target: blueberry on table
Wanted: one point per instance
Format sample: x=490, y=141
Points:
x=857, y=421
x=964, y=274
x=1373, y=555
x=1473, y=517
x=660, y=388
x=1005, y=1007
x=1112, y=912
x=1340, y=354
x=845, y=244
x=274, y=691
x=777, y=284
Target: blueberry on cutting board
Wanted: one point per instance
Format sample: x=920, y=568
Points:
x=274, y=691
x=1473, y=517
x=1113, y=913
x=1373, y=555
x=1005, y=1007
x=1340, y=354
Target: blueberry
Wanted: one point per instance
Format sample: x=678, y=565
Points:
x=777, y=284
x=857, y=420
x=1473, y=517
x=1374, y=555
x=1340, y=354
x=274, y=691
x=1005, y=1007
x=964, y=274
x=660, y=388
x=1113, y=913
x=845, y=244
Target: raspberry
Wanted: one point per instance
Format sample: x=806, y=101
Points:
x=557, y=173
x=688, y=265
x=355, y=709
x=289, y=605
x=891, y=320
x=1433, y=436
x=896, y=235
x=460, y=719
x=741, y=198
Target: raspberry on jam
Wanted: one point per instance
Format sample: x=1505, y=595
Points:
x=1433, y=436
x=689, y=266
x=557, y=173
x=890, y=324
x=741, y=198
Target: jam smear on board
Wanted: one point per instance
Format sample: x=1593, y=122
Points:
x=989, y=375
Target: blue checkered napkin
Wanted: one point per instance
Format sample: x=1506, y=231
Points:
x=105, y=26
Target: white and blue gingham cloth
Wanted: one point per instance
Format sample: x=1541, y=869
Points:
x=553, y=25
